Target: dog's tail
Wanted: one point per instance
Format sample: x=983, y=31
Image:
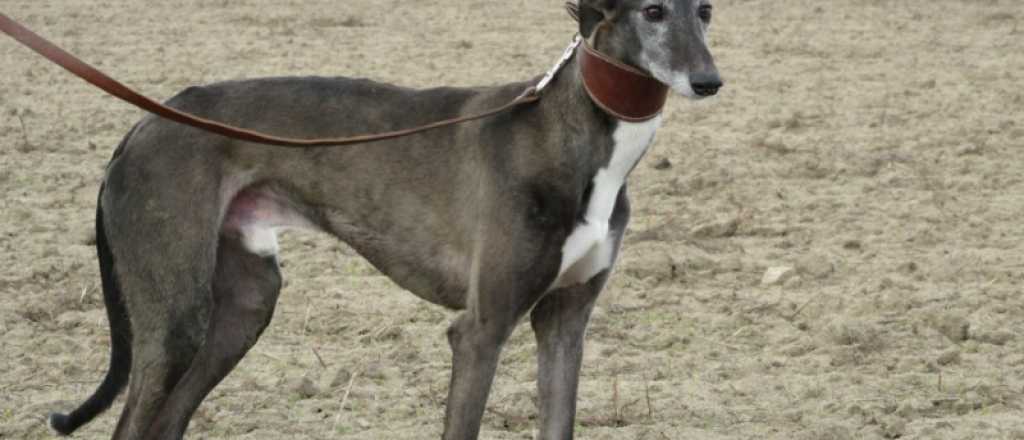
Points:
x=120, y=342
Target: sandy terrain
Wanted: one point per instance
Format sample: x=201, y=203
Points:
x=875, y=147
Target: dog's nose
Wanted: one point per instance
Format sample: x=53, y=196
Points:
x=705, y=84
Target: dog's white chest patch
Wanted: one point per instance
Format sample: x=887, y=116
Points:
x=590, y=247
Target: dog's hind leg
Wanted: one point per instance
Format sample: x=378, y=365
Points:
x=245, y=290
x=164, y=241
x=167, y=334
x=155, y=370
x=165, y=338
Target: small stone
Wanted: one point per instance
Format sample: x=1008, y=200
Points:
x=976, y=401
x=663, y=164
x=906, y=409
x=777, y=275
x=954, y=327
x=908, y=267
x=951, y=356
x=716, y=229
x=695, y=263
x=657, y=267
x=798, y=348
x=793, y=415
x=816, y=266
x=304, y=387
x=341, y=378
x=998, y=337
x=893, y=427
x=375, y=371
x=86, y=237
x=730, y=263
x=70, y=319
x=844, y=356
x=859, y=334
x=793, y=281
x=969, y=150
x=971, y=346
x=856, y=411
x=825, y=431
x=774, y=142
x=963, y=407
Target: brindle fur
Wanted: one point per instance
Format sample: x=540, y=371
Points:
x=471, y=217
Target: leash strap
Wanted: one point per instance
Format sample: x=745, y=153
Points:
x=83, y=70
x=566, y=56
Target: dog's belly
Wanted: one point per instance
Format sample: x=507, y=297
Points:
x=254, y=217
x=256, y=213
x=590, y=248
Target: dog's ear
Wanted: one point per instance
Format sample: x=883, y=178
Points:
x=573, y=9
x=591, y=13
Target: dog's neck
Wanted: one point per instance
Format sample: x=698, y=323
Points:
x=619, y=91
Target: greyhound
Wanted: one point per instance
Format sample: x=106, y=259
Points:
x=519, y=213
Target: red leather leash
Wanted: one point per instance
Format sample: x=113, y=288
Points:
x=83, y=70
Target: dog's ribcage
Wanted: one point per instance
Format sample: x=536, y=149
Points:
x=256, y=215
x=590, y=247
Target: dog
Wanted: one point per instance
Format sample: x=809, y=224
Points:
x=519, y=213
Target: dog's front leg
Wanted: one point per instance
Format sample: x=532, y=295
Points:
x=476, y=338
x=507, y=278
x=476, y=346
x=559, y=322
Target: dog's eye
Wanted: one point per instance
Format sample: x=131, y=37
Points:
x=704, y=12
x=654, y=13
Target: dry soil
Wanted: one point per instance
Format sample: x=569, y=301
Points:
x=874, y=147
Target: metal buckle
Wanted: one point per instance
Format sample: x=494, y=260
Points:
x=569, y=51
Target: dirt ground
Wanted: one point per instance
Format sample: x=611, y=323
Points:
x=872, y=149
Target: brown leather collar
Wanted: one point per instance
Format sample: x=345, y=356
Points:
x=620, y=90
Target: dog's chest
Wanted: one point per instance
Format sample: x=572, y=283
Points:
x=590, y=248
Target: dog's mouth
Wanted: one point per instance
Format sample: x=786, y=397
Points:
x=681, y=85
x=679, y=82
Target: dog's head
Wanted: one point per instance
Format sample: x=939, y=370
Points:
x=663, y=37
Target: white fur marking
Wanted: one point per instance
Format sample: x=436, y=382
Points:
x=590, y=246
x=261, y=241
x=256, y=215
